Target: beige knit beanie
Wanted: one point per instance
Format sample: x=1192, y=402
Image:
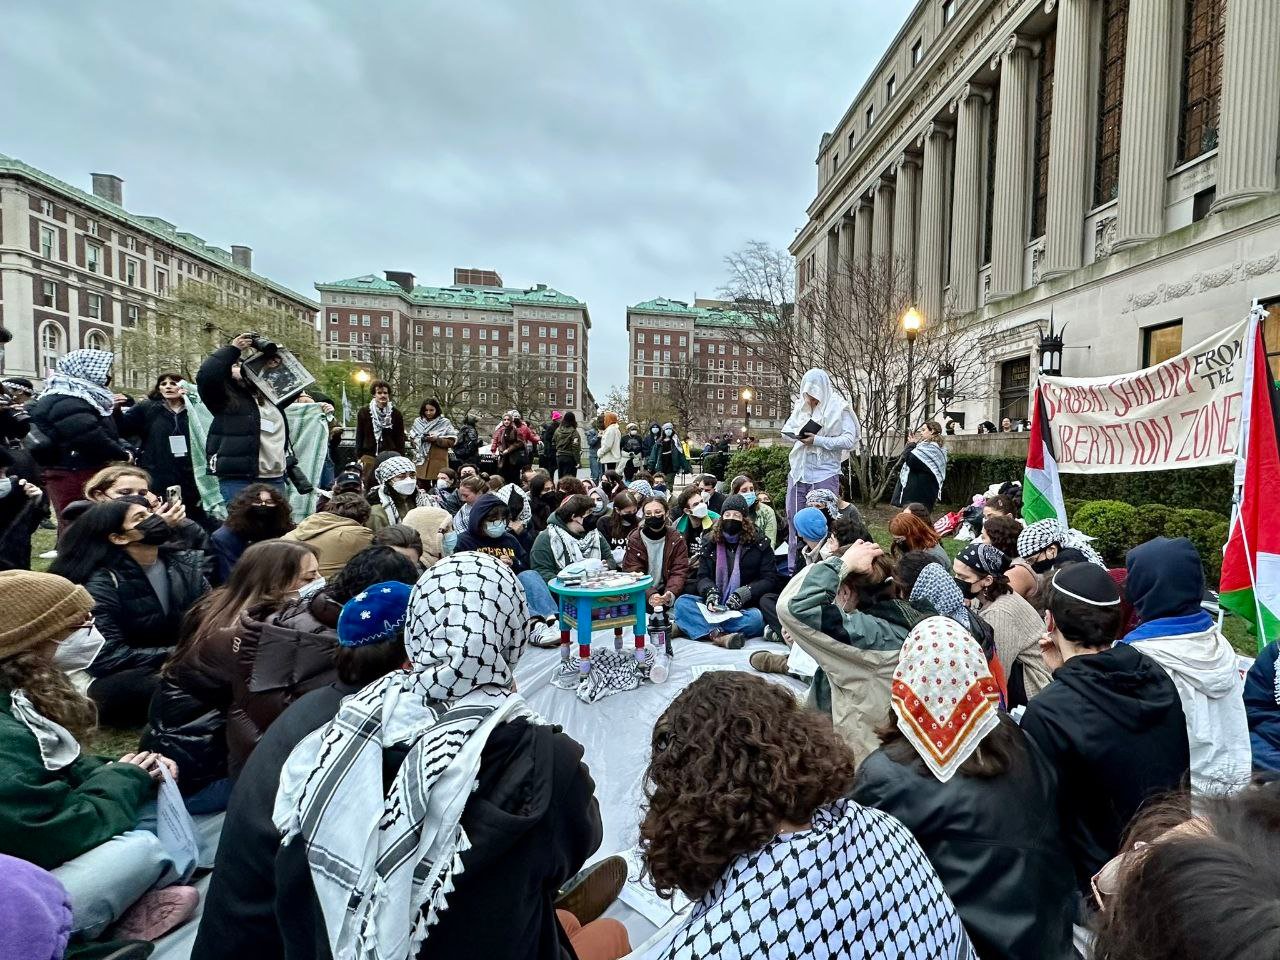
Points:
x=36, y=607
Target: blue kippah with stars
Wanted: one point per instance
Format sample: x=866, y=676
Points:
x=375, y=615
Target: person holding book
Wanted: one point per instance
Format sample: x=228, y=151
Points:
x=823, y=429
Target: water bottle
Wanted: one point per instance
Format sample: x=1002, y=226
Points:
x=660, y=639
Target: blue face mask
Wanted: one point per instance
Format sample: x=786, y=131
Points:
x=495, y=529
x=750, y=497
x=449, y=543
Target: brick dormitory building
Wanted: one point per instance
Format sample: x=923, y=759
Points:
x=77, y=269
x=498, y=346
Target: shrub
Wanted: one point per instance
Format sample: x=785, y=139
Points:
x=1112, y=524
x=757, y=462
x=1206, y=531
x=1152, y=521
x=1073, y=507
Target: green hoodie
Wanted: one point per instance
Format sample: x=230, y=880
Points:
x=51, y=816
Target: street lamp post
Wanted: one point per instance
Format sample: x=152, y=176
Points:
x=911, y=324
x=746, y=413
x=362, y=377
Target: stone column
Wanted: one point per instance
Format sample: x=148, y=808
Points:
x=1144, y=156
x=1069, y=140
x=1009, y=219
x=1249, y=136
x=933, y=221
x=904, y=219
x=862, y=233
x=966, y=201
x=882, y=214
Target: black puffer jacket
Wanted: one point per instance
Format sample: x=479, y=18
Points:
x=758, y=569
x=995, y=843
x=153, y=423
x=188, y=717
x=80, y=438
x=137, y=630
x=231, y=449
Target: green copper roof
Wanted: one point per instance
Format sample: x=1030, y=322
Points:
x=152, y=225
x=493, y=298
x=702, y=316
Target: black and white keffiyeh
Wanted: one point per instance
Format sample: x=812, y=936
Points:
x=567, y=548
x=394, y=467
x=854, y=886
x=380, y=419
x=423, y=429
x=83, y=374
x=383, y=864
x=933, y=456
x=520, y=509
x=1051, y=531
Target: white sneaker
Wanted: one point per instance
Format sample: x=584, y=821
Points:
x=548, y=636
x=49, y=555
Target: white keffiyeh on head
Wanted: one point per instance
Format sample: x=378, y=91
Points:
x=1051, y=531
x=854, y=886
x=394, y=467
x=83, y=374
x=383, y=865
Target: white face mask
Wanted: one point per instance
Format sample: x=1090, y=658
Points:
x=79, y=650
x=405, y=487
x=6, y=487
x=312, y=588
x=700, y=511
x=442, y=484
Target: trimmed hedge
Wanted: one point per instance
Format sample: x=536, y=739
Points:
x=1204, y=488
x=1117, y=527
x=767, y=466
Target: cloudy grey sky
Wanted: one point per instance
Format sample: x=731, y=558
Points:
x=616, y=151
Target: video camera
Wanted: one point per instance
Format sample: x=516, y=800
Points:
x=263, y=345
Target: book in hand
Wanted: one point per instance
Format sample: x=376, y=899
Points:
x=810, y=429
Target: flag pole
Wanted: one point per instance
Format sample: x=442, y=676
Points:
x=1256, y=313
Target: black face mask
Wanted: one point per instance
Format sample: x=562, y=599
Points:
x=655, y=527
x=628, y=519
x=966, y=588
x=1044, y=566
x=154, y=531
x=731, y=527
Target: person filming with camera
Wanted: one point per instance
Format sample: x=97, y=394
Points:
x=248, y=439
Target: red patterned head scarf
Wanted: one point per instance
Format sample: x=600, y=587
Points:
x=944, y=695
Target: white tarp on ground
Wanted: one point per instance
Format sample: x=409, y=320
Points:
x=615, y=733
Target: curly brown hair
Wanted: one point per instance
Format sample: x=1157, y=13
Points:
x=734, y=757
x=49, y=691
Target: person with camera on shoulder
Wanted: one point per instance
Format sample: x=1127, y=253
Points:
x=248, y=439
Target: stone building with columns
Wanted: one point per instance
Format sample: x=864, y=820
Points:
x=1109, y=164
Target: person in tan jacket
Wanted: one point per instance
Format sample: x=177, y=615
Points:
x=338, y=533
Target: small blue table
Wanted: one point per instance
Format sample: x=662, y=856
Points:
x=586, y=609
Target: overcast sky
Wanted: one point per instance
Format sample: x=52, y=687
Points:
x=615, y=151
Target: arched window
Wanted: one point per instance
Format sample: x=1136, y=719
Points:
x=97, y=340
x=51, y=345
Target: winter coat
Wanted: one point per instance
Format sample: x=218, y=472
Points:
x=20, y=517
x=1262, y=708
x=238, y=920
x=632, y=449
x=593, y=442
x=80, y=438
x=921, y=485
x=610, y=445
x=468, y=445
x=337, y=539
x=48, y=817
x=531, y=822
x=1000, y=859
x=188, y=718
x=1206, y=672
x=542, y=559
x=1112, y=724
x=393, y=439
x=857, y=650
x=659, y=452
x=137, y=630
x=226, y=546
x=154, y=424
x=568, y=444
x=757, y=568
x=506, y=548
x=231, y=448
x=675, y=563
x=547, y=452
x=766, y=521
x=281, y=655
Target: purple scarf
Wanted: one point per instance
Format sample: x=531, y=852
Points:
x=722, y=569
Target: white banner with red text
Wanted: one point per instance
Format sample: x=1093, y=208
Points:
x=1183, y=412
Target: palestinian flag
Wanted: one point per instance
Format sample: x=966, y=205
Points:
x=1250, y=585
x=1041, y=491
